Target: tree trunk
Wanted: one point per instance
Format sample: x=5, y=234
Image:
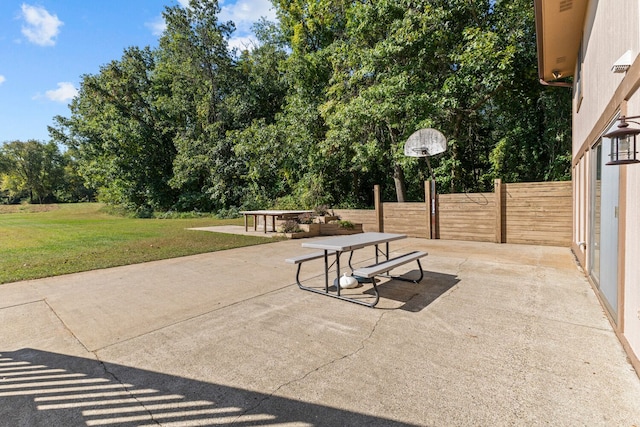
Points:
x=398, y=178
x=398, y=174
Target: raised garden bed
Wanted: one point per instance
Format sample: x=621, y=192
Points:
x=337, y=229
x=307, y=226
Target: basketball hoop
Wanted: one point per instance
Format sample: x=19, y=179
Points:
x=425, y=143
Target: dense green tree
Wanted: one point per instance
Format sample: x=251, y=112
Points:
x=319, y=109
x=387, y=72
x=196, y=63
x=121, y=135
x=73, y=188
x=500, y=121
x=270, y=160
x=32, y=168
x=312, y=25
x=309, y=27
x=533, y=139
x=5, y=163
x=465, y=68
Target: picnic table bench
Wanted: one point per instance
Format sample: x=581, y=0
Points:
x=383, y=268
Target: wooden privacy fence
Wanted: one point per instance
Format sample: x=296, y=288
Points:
x=538, y=213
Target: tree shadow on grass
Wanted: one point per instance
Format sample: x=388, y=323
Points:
x=39, y=388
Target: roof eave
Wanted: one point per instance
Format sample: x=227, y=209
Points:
x=559, y=28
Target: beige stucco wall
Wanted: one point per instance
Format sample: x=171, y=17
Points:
x=611, y=29
x=632, y=248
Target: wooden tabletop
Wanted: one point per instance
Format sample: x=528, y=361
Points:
x=274, y=212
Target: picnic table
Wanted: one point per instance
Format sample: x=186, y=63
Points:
x=337, y=245
x=279, y=214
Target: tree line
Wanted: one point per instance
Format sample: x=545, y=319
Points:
x=38, y=172
x=318, y=110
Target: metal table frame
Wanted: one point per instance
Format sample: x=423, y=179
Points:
x=348, y=243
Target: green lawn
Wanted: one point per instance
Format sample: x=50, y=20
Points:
x=49, y=240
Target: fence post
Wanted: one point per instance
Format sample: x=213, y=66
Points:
x=427, y=202
x=497, y=188
x=378, y=207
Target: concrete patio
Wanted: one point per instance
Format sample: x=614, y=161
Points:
x=495, y=335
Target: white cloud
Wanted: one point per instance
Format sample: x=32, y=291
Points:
x=2, y=79
x=40, y=26
x=65, y=92
x=242, y=43
x=157, y=27
x=245, y=12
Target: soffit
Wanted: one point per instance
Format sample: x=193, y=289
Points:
x=559, y=26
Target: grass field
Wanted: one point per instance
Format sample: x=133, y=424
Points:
x=48, y=240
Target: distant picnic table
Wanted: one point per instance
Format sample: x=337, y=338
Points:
x=274, y=214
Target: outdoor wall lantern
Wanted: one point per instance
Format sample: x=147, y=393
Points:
x=623, y=143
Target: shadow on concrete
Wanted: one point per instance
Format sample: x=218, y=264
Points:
x=416, y=296
x=44, y=388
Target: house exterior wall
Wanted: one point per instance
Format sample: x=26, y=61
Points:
x=632, y=269
x=632, y=246
x=600, y=96
x=611, y=29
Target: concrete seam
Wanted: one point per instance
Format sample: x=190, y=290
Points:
x=66, y=326
x=97, y=358
x=459, y=266
x=195, y=316
x=316, y=369
x=206, y=313
x=125, y=388
x=22, y=304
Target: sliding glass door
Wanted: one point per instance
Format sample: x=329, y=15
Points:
x=604, y=225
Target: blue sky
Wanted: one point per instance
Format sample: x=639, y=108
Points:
x=47, y=45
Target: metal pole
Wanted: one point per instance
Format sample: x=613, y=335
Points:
x=432, y=192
